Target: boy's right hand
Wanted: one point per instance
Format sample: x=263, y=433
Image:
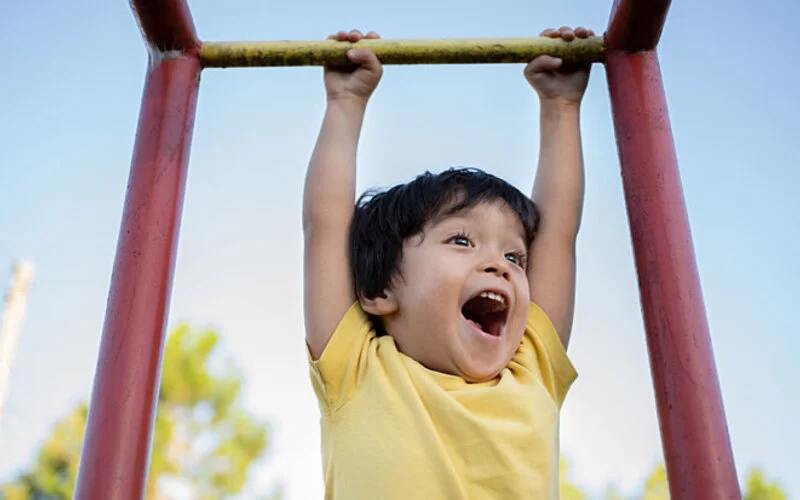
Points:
x=360, y=82
x=554, y=80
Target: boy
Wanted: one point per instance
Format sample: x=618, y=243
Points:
x=438, y=312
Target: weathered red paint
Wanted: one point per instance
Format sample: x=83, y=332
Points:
x=694, y=432
x=166, y=24
x=636, y=25
x=116, y=448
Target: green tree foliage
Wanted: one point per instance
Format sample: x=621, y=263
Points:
x=613, y=493
x=758, y=488
x=53, y=473
x=569, y=491
x=655, y=487
x=203, y=441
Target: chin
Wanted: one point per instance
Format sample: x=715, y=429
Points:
x=475, y=374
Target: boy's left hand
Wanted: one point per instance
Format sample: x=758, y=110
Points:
x=552, y=78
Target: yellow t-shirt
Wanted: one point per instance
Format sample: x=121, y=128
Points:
x=393, y=429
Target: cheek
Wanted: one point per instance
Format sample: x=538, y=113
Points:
x=433, y=286
x=437, y=286
x=524, y=292
x=523, y=296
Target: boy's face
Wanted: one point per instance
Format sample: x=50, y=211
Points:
x=462, y=294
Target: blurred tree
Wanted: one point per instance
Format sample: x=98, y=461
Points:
x=613, y=493
x=203, y=441
x=655, y=487
x=569, y=491
x=53, y=473
x=758, y=488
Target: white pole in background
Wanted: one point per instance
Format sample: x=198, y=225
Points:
x=13, y=314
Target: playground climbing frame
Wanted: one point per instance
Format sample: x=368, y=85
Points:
x=694, y=432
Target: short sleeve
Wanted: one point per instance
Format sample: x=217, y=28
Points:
x=542, y=351
x=336, y=373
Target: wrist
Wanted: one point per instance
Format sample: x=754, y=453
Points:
x=343, y=119
x=560, y=105
x=347, y=103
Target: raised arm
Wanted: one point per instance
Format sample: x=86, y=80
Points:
x=329, y=196
x=559, y=185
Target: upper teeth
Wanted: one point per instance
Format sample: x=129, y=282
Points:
x=494, y=296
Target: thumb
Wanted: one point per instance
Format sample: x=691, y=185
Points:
x=543, y=63
x=364, y=57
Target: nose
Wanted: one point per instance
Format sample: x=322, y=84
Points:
x=498, y=267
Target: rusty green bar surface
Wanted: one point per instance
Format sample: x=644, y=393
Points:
x=420, y=51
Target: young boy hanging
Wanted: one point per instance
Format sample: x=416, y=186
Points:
x=438, y=312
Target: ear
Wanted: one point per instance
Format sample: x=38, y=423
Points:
x=382, y=305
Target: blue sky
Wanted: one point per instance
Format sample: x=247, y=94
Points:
x=69, y=99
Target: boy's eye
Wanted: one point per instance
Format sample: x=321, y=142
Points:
x=516, y=258
x=461, y=240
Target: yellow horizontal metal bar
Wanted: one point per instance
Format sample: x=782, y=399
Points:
x=420, y=51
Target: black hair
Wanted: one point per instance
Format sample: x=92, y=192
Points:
x=384, y=220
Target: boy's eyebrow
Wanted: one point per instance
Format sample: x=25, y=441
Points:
x=459, y=221
x=445, y=218
x=519, y=240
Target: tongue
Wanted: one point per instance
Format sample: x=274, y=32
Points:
x=475, y=324
x=492, y=327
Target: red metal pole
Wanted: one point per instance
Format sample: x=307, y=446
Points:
x=166, y=24
x=636, y=24
x=697, y=449
x=116, y=449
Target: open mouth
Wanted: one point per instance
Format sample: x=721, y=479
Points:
x=487, y=311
